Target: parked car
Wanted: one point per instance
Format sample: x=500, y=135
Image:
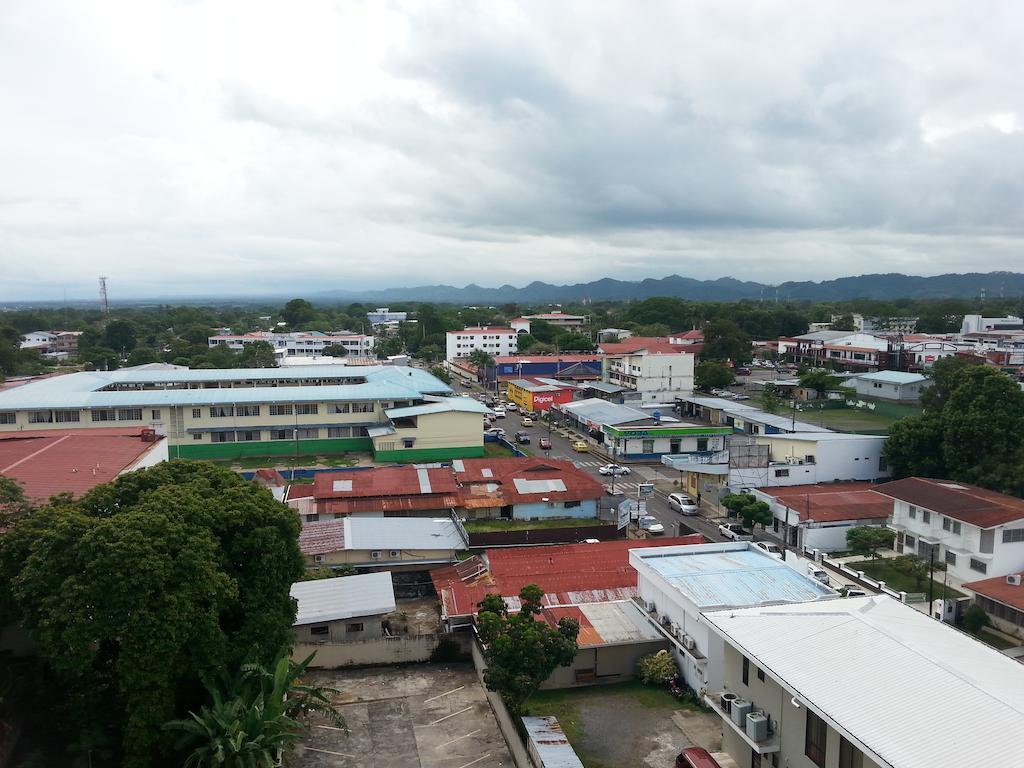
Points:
x=499, y=412
x=743, y=371
x=695, y=757
x=522, y=438
x=495, y=432
x=817, y=572
x=735, y=531
x=527, y=421
x=853, y=592
x=682, y=503
x=613, y=469
x=769, y=549
x=580, y=447
x=545, y=443
x=511, y=407
x=650, y=524
x=491, y=418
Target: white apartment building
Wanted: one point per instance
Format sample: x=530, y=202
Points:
x=979, y=324
x=384, y=316
x=559, y=320
x=656, y=369
x=297, y=343
x=977, y=533
x=497, y=342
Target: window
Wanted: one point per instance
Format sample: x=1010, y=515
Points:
x=883, y=465
x=746, y=671
x=339, y=408
x=307, y=434
x=356, y=626
x=197, y=413
x=41, y=417
x=104, y=415
x=154, y=415
x=129, y=414
x=948, y=524
x=65, y=417
x=913, y=512
x=977, y=565
x=815, y=734
x=1013, y=536
x=307, y=409
x=280, y=434
x=809, y=459
x=362, y=407
x=222, y=411
x=849, y=755
x=571, y=504
x=760, y=674
x=926, y=516
x=247, y=410
x=247, y=436
x=320, y=630
x=280, y=410
x=909, y=541
x=702, y=444
x=222, y=437
x=782, y=473
x=950, y=558
x=648, y=446
x=8, y=418
x=197, y=435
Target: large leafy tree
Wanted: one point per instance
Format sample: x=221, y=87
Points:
x=521, y=651
x=133, y=591
x=712, y=374
x=297, y=312
x=868, y=539
x=725, y=340
x=751, y=511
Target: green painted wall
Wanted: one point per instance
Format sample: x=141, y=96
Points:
x=425, y=455
x=269, y=448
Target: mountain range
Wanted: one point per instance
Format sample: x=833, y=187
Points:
x=878, y=286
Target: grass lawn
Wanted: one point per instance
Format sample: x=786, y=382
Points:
x=882, y=570
x=497, y=525
x=497, y=450
x=289, y=462
x=996, y=641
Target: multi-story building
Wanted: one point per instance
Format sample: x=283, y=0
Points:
x=864, y=682
x=842, y=350
x=659, y=370
x=540, y=394
x=495, y=341
x=398, y=413
x=976, y=532
x=560, y=320
x=980, y=324
x=384, y=316
x=59, y=344
x=564, y=367
x=298, y=343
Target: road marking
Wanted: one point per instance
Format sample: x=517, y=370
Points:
x=332, y=728
x=474, y=762
x=459, y=738
x=453, y=714
x=441, y=695
x=328, y=752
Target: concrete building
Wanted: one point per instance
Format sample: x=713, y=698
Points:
x=299, y=343
x=344, y=609
x=613, y=334
x=677, y=585
x=261, y=411
x=818, y=516
x=889, y=385
x=496, y=342
x=384, y=316
x=862, y=683
x=539, y=394
x=398, y=544
x=657, y=369
x=743, y=418
x=1002, y=598
x=560, y=320
x=841, y=350
x=407, y=491
x=980, y=324
x=525, y=488
x=58, y=345
x=974, y=531
x=574, y=368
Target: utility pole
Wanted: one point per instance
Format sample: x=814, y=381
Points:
x=931, y=581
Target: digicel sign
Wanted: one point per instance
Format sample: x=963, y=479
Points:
x=539, y=399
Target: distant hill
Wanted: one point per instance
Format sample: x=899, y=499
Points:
x=888, y=286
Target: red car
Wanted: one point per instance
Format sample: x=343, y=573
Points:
x=695, y=757
x=545, y=443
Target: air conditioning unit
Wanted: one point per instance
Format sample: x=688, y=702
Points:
x=727, y=699
x=689, y=643
x=651, y=607
x=675, y=629
x=739, y=710
x=757, y=726
x=375, y=554
x=394, y=554
x=318, y=558
x=793, y=460
x=1014, y=579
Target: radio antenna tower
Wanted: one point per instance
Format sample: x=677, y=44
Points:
x=104, y=304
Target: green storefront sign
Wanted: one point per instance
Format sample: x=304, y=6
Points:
x=667, y=431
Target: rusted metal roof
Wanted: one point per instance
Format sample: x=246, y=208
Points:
x=961, y=501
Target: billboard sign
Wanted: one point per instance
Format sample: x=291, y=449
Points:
x=645, y=489
x=625, y=513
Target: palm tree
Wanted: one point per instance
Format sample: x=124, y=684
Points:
x=254, y=717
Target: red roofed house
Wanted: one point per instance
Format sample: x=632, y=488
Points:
x=74, y=461
x=653, y=366
x=571, y=574
x=525, y=488
x=404, y=491
x=976, y=532
x=820, y=515
x=1002, y=598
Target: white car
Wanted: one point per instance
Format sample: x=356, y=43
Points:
x=499, y=412
x=650, y=524
x=769, y=549
x=817, y=572
x=511, y=407
x=613, y=469
x=682, y=504
x=495, y=432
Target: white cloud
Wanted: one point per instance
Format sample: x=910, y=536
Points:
x=229, y=147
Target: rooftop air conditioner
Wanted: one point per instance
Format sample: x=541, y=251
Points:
x=727, y=699
x=689, y=643
x=375, y=554
x=1014, y=579
x=651, y=607
x=739, y=710
x=318, y=558
x=757, y=726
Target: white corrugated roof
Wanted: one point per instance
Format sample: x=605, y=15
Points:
x=344, y=597
x=892, y=377
x=402, y=533
x=550, y=743
x=446, y=405
x=911, y=690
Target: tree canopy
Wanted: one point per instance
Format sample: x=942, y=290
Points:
x=725, y=340
x=868, y=539
x=751, y=511
x=712, y=374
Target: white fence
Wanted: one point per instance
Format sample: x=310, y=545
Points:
x=857, y=576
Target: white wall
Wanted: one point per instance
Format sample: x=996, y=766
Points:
x=658, y=377
x=495, y=343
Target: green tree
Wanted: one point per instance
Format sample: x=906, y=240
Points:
x=944, y=376
x=725, y=340
x=771, y=400
x=440, y=373
x=656, y=668
x=651, y=329
x=975, y=619
x=712, y=374
x=751, y=511
x=101, y=359
x=844, y=323
x=481, y=359
x=119, y=335
x=574, y=342
x=868, y=539
x=334, y=350
x=916, y=568
x=142, y=355
x=520, y=651
x=297, y=312
x=430, y=353
x=821, y=381
x=13, y=502
x=257, y=355
x=133, y=590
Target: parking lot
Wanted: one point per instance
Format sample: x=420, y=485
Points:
x=422, y=716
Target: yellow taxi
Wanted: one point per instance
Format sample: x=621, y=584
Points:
x=580, y=447
x=527, y=421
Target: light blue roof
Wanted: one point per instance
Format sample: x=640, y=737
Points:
x=598, y=411
x=893, y=377
x=81, y=390
x=446, y=405
x=730, y=576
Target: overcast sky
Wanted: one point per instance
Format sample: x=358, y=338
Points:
x=204, y=147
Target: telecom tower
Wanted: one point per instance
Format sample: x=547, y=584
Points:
x=104, y=304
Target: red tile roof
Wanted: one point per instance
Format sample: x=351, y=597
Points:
x=384, y=481
x=569, y=574
x=997, y=589
x=47, y=462
x=833, y=503
x=322, y=537
x=491, y=482
x=695, y=334
x=652, y=344
x=961, y=501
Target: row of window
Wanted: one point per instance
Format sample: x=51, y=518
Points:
x=1004, y=612
x=302, y=409
x=302, y=433
x=74, y=417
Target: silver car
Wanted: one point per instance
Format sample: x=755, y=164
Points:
x=682, y=504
